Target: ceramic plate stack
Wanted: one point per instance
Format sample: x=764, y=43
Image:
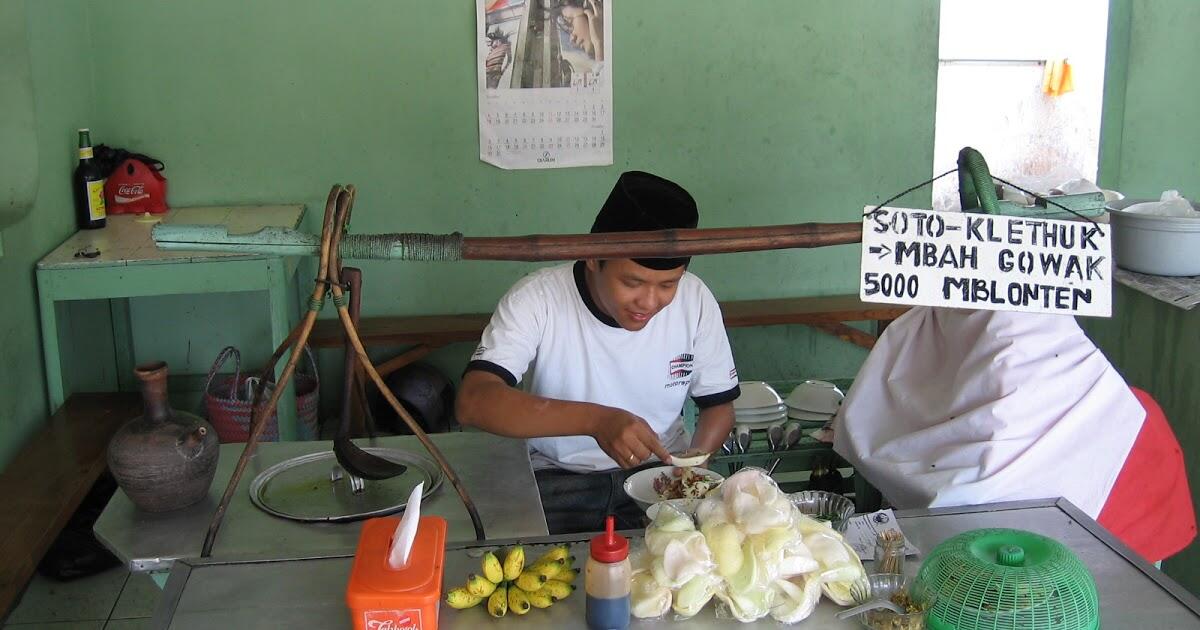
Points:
x=759, y=406
x=814, y=402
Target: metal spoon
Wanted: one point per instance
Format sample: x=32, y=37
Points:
x=791, y=434
x=743, y=439
x=774, y=437
x=773, y=466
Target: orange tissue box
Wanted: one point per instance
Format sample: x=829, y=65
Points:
x=382, y=598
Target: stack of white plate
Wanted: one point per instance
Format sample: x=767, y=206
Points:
x=759, y=405
x=814, y=401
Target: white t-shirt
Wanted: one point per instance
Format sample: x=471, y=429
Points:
x=548, y=326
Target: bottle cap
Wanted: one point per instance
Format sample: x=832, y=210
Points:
x=609, y=546
x=85, y=130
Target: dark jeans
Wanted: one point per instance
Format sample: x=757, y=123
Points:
x=578, y=502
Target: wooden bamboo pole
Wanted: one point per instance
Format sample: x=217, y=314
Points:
x=659, y=244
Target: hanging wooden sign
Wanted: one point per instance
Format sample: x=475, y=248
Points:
x=986, y=261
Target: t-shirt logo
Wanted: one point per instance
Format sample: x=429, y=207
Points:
x=479, y=351
x=681, y=365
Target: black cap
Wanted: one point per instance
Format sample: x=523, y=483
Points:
x=642, y=202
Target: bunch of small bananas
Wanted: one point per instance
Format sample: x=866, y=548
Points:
x=512, y=585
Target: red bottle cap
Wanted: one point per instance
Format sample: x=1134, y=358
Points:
x=610, y=546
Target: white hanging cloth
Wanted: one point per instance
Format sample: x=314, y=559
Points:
x=964, y=407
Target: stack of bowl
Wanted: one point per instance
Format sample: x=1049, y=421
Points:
x=813, y=402
x=759, y=406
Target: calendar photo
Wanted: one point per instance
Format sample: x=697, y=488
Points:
x=545, y=83
x=542, y=43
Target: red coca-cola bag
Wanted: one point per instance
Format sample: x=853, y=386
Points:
x=135, y=185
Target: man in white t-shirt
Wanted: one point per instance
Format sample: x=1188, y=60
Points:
x=608, y=351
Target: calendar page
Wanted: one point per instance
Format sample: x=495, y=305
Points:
x=545, y=83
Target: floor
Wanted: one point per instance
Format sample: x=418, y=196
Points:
x=112, y=600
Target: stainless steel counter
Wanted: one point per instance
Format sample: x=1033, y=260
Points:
x=495, y=470
x=310, y=591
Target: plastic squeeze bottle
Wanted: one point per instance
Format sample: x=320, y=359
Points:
x=607, y=580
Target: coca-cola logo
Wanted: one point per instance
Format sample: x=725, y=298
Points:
x=392, y=619
x=129, y=190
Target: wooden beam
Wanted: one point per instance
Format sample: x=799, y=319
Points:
x=397, y=362
x=847, y=333
x=439, y=330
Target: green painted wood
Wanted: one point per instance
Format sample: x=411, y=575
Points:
x=215, y=238
x=48, y=308
x=158, y=279
x=123, y=342
x=1150, y=134
x=1085, y=204
x=1161, y=130
x=58, y=50
x=19, y=158
x=1116, y=78
x=1157, y=347
x=281, y=325
x=119, y=283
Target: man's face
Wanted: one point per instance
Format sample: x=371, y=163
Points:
x=631, y=293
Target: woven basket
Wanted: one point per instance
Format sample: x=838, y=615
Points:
x=227, y=400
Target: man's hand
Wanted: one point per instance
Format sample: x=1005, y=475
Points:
x=627, y=439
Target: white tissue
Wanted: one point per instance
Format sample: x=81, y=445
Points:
x=406, y=531
x=1170, y=204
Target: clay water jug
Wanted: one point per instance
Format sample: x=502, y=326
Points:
x=164, y=459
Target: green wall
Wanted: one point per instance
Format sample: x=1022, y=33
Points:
x=58, y=58
x=765, y=112
x=1154, y=123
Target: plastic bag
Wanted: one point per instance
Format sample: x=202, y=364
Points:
x=725, y=543
x=745, y=607
x=682, y=560
x=796, y=599
x=840, y=567
x=695, y=595
x=1170, y=204
x=648, y=599
x=670, y=524
x=754, y=502
x=748, y=547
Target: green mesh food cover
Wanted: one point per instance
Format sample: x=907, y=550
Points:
x=1008, y=579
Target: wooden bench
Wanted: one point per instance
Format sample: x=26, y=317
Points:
x=828, y=314
x=48, y=479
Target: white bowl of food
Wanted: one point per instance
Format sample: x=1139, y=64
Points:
x=653, y=485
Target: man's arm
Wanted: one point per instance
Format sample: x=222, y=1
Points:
x=713, y=427
x=486, y=402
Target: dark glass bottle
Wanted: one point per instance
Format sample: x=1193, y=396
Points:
x=88, y=187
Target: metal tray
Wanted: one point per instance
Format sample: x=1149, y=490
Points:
x=305, y=489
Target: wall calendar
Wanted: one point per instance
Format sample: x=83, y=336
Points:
x=545, y=83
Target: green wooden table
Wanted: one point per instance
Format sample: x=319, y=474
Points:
x=130, y=266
